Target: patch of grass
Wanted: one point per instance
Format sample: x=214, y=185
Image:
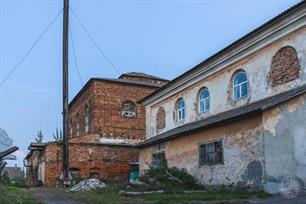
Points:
x=110, y=195
x=15, y=195
x=238, y=196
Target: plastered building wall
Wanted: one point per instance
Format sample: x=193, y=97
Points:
x=243, y=154
x=285, y=143
x=257, y=66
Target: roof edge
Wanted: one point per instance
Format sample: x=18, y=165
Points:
x=233, y=45
x=227, y=116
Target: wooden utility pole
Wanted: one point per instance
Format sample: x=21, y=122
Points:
x=65, y=172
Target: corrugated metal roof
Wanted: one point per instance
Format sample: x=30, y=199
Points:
x=227, y=116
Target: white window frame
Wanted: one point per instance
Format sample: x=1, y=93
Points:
x=180, y=111
x=240, y=86
x=204, y=101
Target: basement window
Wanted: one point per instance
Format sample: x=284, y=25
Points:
x=211, y=153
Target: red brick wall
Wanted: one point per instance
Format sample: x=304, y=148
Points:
x=112, y=162
x=107, y=118
x=160, y=118
x=284, y=67
x=105, y=101
x=78, y=108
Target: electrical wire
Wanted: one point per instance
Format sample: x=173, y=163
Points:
x=75, y=57
x=93, y=41
x=29, y=50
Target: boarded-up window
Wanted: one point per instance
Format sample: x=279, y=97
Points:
x=211, y=153
x=159, y=159
x=284, y=66
x=161, y=118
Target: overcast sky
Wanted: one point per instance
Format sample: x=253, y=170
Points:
x=163, y=38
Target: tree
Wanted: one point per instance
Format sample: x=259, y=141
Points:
x=39, y=137
x=58, y=135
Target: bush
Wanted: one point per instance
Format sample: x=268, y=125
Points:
x=18, y=182
x=169, y=180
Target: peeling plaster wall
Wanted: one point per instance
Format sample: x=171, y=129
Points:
x=243, y=153
x=257, y=67
x=285, y=143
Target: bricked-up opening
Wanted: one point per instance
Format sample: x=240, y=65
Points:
x=284, y=66
x=77, y=125
x=128, y=109
x=87, y=118
x=211, y=153
x=161, y=118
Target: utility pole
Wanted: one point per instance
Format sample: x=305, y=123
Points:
x=65, y=172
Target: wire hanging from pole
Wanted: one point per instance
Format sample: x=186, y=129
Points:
x=31, y=48
x=75, y=57
x=94, y=42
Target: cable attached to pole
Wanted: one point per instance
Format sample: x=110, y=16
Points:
x=75, y=57
x=29, y=50
x=94, y=42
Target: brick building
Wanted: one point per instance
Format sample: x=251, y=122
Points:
x=239, y=117
x=105, y=122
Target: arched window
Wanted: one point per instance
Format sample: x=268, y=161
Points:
x=161, y=118
x=240, y=85
x=284, y=66
x=87, y=116
x=128, y=109
x=181, y=109
x=204, y=100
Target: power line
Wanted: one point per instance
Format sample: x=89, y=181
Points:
x=94, y=42
x=31, y=48
x=75, y=57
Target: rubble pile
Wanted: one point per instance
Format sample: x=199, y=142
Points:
x=88, y=184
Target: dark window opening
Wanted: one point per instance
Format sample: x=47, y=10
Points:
x=94, y=175
x=211, y=153
x=159, y=159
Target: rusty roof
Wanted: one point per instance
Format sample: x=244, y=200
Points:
x=224, y=117
x=142, y=75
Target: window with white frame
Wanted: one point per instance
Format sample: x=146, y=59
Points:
x=87, y=119
x=204, y=100
x=240, y=85
x=181, y=109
